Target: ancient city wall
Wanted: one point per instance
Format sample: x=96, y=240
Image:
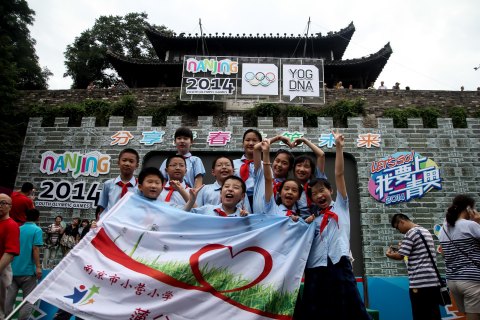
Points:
x=455, y=151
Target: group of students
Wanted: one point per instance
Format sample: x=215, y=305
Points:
x=255, y=184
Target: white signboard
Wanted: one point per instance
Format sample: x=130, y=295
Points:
x=259, y=79
x=300, y=81
x=253, y=79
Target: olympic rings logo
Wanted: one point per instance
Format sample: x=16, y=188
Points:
x=260, y=78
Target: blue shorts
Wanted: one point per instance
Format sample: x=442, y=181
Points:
x=331, y=293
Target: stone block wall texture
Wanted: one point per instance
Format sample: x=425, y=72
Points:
x=377, y=101
x=456, y=151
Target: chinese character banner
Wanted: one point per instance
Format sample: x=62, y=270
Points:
x=151, y=261
x=402, y=177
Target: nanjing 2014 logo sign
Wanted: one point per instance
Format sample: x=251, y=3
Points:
x=402, y=177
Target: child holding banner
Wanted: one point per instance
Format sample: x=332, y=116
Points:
x=232, y=195
x=330, y=290
x=175, y=190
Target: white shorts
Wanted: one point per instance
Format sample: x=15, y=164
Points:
x=466, y=294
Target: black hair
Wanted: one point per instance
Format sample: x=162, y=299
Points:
x=291, y=158
x=220, y=157
x=459, y=204
x=129, y=150
x=27, y=187
x=321, y=182
x=302, y=159
x=244, y=187
x=256, y=132
x=278, y=200
x=32, y=214
x=150, y=171
x=399, y=216
x=173, y=157
x=85, y=220
x=183, y=132
x=61, y=218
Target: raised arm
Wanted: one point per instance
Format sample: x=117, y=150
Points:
x=280, y=138
x=339, y=164
x=176, y=185
x=192, y=198
x=319, y=154
x=257, y=156
x=267, y=171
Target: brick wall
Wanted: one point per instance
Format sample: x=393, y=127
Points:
x=456, y=151
x=376, y=100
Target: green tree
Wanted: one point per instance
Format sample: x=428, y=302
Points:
x=86, y=58
x=19, y=69
x=18, y=61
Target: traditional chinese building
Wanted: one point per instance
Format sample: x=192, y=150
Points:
x=166, y=71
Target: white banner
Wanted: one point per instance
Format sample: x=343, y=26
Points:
x=151, y=261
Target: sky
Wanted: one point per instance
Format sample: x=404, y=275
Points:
x=435, y=42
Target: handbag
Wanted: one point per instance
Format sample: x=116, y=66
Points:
x=67, y=241
x=444, y=293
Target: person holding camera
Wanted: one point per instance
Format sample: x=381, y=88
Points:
x=460, y=241
x=424, y=284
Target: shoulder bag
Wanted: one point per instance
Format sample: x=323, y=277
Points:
x=444, y=293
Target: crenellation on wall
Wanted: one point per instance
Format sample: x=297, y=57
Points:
x=295, y=123
x=61, y=122
x=415, y=123
x=205, y=122
x=115, y=122
x=355, y=123
x=265, y=122
x=144, y=122
x=325, y=123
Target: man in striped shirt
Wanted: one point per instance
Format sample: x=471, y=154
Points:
x=424, y=283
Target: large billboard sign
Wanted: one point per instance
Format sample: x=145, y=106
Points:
x=272, y=80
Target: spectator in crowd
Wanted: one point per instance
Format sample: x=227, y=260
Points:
x=91, y=86
x=84, y=228
x=9, y=248
x=372, y=86
x=70, y=236
x=21, y=202
x=396, y=86
x=382, y=86
x=462, y=88
x=339, y=85
x=26, y=266
x=52, y=244
x=424, y=283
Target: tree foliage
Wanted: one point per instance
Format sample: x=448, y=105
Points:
x=19, y=70
x=18, y=61
x=86, y=58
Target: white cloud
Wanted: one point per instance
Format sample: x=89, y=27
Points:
x=434, y=43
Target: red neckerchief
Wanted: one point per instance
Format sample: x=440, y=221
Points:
x=220, y=212
x=170, y=193
x=327, y=213
x=124, y=187
x=289, y=213
x=245, y=169
x=305, y=190
x=276, y=186
x=171, y=190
